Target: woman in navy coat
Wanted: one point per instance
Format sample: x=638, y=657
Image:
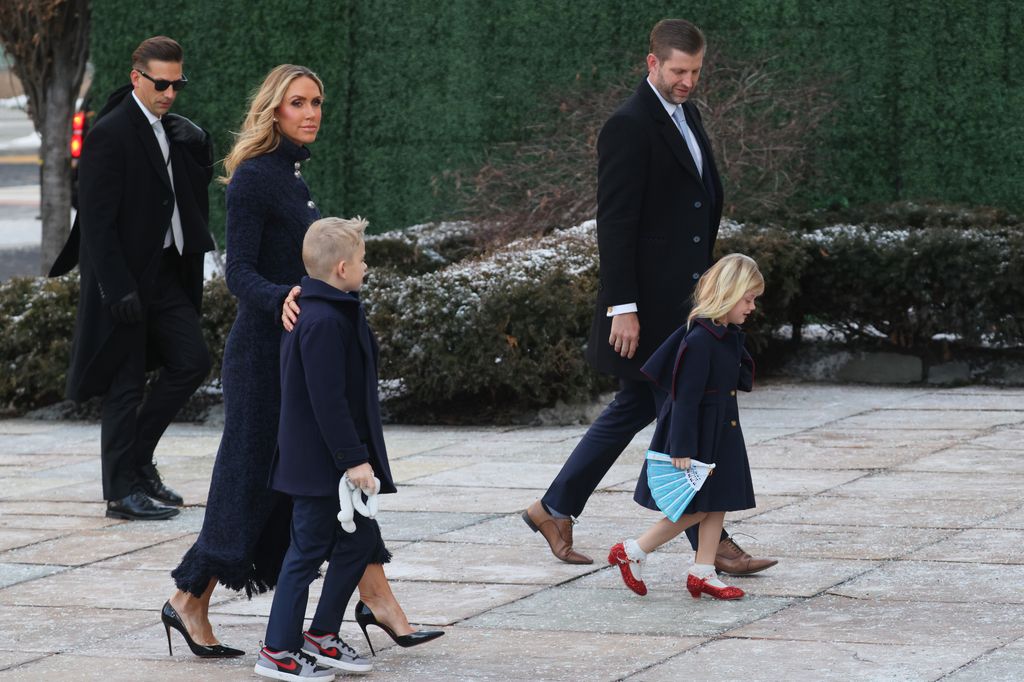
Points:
x=245, y=531
x=701, y=366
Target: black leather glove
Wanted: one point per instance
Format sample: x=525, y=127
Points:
x=182, y=131
x=128, y=310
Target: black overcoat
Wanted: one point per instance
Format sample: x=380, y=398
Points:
x=330, y=409
x=701, y=370
x=125, y=206
x=657, y=220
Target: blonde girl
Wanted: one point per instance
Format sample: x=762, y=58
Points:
x=701, y=366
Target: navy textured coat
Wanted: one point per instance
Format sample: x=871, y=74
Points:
x=245, y=531
x=330, y=410
x=701, y=369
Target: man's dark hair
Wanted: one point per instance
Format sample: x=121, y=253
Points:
x=160, y=48
x=675, y=34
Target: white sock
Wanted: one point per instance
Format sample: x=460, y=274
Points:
x=707, y=573
x=633, y=550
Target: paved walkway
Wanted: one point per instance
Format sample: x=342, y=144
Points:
x=897, y=516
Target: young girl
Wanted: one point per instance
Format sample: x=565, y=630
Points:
x=700, y=367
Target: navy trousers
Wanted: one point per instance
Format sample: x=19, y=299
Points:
x=133, y=424
x=635, y=406
x=316, y=536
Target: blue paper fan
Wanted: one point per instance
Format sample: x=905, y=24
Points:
x=671, y=488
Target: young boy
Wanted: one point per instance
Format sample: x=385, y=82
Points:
x=330, y=425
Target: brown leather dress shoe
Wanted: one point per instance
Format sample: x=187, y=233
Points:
x=558, y=533
x=733, y=560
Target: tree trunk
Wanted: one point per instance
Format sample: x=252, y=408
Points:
x=55, y=192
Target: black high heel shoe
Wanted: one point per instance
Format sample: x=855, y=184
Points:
x=364, y=616
x=171, y=619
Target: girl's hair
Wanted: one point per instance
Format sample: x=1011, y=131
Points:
x=723, y=285
x=259, y=134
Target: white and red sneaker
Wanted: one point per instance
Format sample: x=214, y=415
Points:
x=332, y=651
x=290, y=665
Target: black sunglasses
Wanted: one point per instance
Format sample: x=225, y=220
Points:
x=161, y=84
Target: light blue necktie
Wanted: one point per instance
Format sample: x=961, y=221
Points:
x=680, y=118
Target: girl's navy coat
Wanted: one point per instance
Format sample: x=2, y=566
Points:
x=701, y=369
x=330, y=411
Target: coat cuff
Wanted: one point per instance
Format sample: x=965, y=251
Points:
x=346, y=458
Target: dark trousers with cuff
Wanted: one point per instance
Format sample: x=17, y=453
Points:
x=316, y=536
x=635, y=406
x=132, y=426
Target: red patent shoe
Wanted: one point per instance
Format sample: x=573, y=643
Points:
x=632, y=570
x=696, y=586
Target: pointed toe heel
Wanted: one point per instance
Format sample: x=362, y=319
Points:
x=365, y=617
x=170, y=618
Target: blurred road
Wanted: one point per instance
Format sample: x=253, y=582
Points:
x=20, y=228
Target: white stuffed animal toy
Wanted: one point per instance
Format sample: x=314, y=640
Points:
x=351, y=500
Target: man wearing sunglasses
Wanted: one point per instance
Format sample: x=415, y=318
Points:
x=140, y=238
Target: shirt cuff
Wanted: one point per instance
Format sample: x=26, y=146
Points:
x=614, y=310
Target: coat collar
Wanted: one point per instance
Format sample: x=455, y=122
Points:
x=290, y=152
x=668, y=129
x=316, y=288
x=719, y=331
x=147, y=138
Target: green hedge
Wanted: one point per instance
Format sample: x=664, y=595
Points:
x=930, y=93
x=487, y=336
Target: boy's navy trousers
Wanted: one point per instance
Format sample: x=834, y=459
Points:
x=316, y=536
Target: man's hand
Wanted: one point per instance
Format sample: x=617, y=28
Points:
x=361, y=476
x=625, y=336
x=290, y=309
x=128, y=310
x=681, y=462
x=182, y=131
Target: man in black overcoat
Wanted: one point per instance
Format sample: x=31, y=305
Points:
x=659, y=203
x=139, y=240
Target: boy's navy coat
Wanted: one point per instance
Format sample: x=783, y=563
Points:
x=330, y=411
x=701, y=369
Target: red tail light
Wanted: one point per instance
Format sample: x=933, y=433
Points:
x=77, y=125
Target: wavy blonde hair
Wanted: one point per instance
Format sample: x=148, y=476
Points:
x=723, y=285
x=259, y=134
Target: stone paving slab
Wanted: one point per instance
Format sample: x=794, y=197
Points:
x=666, y=573
x=1011, y=519
x=479, y=564
x=973, y=626
x=916, y=512
x=969, y=459
x=912, y=420
x=668, y=612
x=786, y=660
x=795, y=454
x=885, y=507
x=951, y=487
x=939, y=581
x=975, y=545
x=485, y=655
x=1002, y=439
x=839, y=541
x=1001, y=665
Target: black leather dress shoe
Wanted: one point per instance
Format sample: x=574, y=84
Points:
x=150, y=483
x=138, y=507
